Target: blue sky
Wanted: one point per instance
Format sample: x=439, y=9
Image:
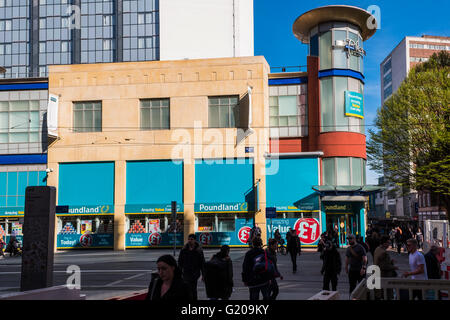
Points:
x=399, y=18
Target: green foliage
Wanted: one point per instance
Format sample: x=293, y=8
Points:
x=410, y=144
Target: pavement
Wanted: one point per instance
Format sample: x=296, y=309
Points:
x=106, y=274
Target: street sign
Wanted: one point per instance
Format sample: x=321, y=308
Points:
x=271, y=212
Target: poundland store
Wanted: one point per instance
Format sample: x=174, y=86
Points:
x=224, y=138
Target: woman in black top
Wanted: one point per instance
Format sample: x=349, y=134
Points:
x=167, y=284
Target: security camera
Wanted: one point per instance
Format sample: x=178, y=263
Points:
x=48, y=170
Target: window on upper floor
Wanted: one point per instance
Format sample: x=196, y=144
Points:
x=87, y=116
x=223, y=112
x=288, y=111
x=155, y=114
x=344, y=171
x=19, y=121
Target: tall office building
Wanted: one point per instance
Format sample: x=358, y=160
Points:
x=408, y=53
x=37, y=33
x=393, y=70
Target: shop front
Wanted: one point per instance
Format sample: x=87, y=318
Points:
x=151, y=188
x=225, y=201
x=85, y=211
x=289, y=191
x=344, y=218
x=12, y=197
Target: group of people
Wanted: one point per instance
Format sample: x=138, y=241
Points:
x=421, y=266
x=178, y=280
x=13, y=247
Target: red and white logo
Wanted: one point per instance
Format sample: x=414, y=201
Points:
x=308, y=230
x=244, y=234
x=205, y=238
x=86, y=240
x=154, y=239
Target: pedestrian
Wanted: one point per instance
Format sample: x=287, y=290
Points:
x=255, y=281
x=386, y=264
x=167, y=283
x=417, y=266
x=191, y=262
x=355, y=262
x=392, y=237
x=254, y=232
x=383, y=260
x=334, y=235
x=331, y=266
x=359, y=240
x=399, y=239
x=432, y=263
x=294, y=248
x=288, y=235
x=12, y=246
x=321, y=244
x=419, y=238
x=219, y=275
x=272, y=256
x=2, y=245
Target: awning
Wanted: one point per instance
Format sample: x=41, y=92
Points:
x=344, y=198
x=347, y=190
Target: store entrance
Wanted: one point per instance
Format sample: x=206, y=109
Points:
x=343, y=225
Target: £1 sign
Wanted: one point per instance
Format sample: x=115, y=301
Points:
x=308, y=230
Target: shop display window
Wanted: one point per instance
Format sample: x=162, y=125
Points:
x=85, y=224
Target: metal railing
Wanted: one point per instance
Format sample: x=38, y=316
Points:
x=288, y=69
x=403, y=289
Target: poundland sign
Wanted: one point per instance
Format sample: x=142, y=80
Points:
x=354, y=104
x=221, y=207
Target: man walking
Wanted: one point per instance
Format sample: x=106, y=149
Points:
x=355, y=262
x=254, y=281
x=191, y=261
x=294, y=248
x=386, y=264
x=432, y=264
x=417, y=266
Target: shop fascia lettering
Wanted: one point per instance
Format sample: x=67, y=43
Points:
x=84, y=210
x=337, y=207
x=219, y=207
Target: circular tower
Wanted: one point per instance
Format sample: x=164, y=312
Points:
x=335, y=36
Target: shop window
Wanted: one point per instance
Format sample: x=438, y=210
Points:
x=87, y=116
x=206, y=223
x=226, y=224
x=155, y=114
x=85, y=224
x=223, y=112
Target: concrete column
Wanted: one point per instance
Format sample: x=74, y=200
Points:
x=260, y=174
x=189, y=197
x=119, y=205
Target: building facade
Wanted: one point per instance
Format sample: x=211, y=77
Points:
x=223, y=137
x=393, y=70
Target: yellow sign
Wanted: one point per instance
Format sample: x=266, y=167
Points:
x=388, y=215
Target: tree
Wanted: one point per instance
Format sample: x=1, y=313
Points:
x=410, y=142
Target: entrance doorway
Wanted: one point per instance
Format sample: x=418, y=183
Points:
x=343, y=224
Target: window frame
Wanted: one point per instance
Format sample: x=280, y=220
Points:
x=93, y=110
x=232, y=112
x=150, y=107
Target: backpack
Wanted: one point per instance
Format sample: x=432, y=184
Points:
x=263, y=267
x=215, y=271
